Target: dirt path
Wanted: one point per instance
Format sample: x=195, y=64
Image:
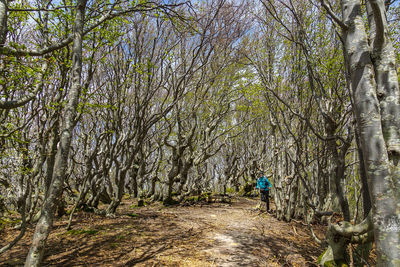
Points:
x=199, y=235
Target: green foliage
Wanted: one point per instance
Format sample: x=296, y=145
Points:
x=321, y=256
x=138, y=205
x=192, y=199
x=339, y=263
x=230, y=190
x=203, y=197
x=332, y=262
x=4, y=222
x=246, y=189
x=17, y=20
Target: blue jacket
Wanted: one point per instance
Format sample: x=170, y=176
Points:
x=263, y=183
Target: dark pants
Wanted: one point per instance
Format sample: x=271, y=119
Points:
x=265, y=197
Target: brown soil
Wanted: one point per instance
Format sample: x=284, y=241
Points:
x=200, y=235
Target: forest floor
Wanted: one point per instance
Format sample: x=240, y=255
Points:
x=216, y=234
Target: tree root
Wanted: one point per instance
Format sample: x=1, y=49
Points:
x=340, y=235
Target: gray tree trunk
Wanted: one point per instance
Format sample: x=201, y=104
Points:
x=3, y=21
x=382, y=170
x=45, y=223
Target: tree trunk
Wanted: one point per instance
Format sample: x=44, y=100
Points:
x=51, y=158
x=45, y=223
x=3, y=21
x=363, y=178
x=382, y=174
x=118, y=192
x=133, y=176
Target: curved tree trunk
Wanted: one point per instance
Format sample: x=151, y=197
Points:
x=118, y=192
x=373, y=118
x=45, y=223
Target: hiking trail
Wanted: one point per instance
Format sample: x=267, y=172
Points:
x=214, y=234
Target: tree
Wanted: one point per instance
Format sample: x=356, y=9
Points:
x=68, y=120
x=374, y=82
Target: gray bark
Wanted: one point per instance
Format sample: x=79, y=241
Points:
x=45, y=223
x=363, y=177
x=381, y=173
x=387, y=86
x=3, y=21
x=339, y=158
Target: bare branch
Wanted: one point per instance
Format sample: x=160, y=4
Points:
x=314, y=236
x=149, y=6
x=38, y=9
x=333, y=16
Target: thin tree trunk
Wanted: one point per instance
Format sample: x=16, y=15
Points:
x=3, y=21
x=363, y=178
x=45, y=223
x=117, y=192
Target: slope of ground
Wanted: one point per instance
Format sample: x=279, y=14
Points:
x=200, y=235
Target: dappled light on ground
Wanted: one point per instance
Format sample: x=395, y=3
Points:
x=200, y=235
